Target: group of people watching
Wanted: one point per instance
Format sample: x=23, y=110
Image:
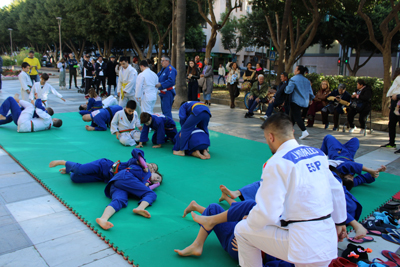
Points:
x=200, y=78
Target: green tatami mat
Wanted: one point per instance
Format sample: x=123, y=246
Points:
x=235, y=162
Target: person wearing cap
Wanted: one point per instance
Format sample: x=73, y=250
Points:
x=166, y=83
x=35, y=66
x=338, y=99
x=111, y=75
x=146, y=91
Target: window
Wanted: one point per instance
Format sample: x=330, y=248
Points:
x=205, y=41
x=311, y=69
x=204, y=25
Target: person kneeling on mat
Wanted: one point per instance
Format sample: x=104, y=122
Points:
x=198, y=144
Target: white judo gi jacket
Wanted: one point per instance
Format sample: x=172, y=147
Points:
x=43, y=92
x=26, y=122
x=110, y=101
x=26, y=85
x=126, y=128
x=297, y=185
x=127, y=82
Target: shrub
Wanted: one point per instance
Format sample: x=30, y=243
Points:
x=7, y=61
x=24, y=53
x=351, y=85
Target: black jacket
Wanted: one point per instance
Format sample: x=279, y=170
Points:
x=88, y=69
x=101, y=67
x=280, y=95
x=111, y=75
x=194, y=77
x=364, y=98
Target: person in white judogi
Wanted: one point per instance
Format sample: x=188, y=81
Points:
x=25, y=81
x=146, y=91
x=26, y=122
x=301, y=209
x=126, y=82
x=43, y=89
x=110, y=101
x=124, y=124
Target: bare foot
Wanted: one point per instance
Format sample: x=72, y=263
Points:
x=203, y=220
x=56, y=163
x=143, y=213
x=206, y=154
x=63, y=170
x=192, y=250
x=16, y=97
x=192, y=207
x=104, y=223
x=89, y=128
x=2, y=117
x=229, y=193
x=197, y=154
x=224, y=197
x=178, y=153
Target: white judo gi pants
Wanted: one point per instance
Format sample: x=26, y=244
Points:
x=110, y=101
x=148, y=106
x=24, y=95
x=272, y=240
x=130, y=139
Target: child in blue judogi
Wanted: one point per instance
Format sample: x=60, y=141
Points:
x=135, y=181
x=164, y=129
x=94, y=103
x=101, y=170
x=223, y=227
x=198, y=144
x=192, y=114
x=101, y=118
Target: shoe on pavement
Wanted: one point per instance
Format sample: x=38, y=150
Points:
x=265, y=117
x=362, y=131
x=251, y=114
x=397, y=152
x=246, y=115
x=334, y=129
x=327, y=126
x=388, y=145
x=304, y=134
x=352, y=130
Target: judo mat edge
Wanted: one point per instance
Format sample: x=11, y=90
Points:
x=234, y=162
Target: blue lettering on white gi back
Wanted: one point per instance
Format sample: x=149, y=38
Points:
x=302, y=153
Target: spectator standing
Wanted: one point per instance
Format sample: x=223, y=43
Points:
x=61, y=78
x=299, y=87
x=360, y=103
x=135, y=64
x=208, y=75
x=101, y=68
x=117, y=69
x=193, y=74
x=341, y=97
x=1, y=71
x=82, y=71
x=319, y=102
x=111, y=75
x=232, y=81
x=73, y=66
x=88, y=70
x=35, y=66
x=221, y=73
x=198, y=62
x=394, y=94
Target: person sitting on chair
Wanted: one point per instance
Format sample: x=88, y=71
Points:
x=338, y=99
x=258, y=93
x=360, y=103
x=279, y=98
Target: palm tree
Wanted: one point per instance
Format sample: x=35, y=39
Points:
x=180, y=87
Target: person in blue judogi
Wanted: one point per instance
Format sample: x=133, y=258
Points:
x=223, y=226
x=164, y=129
x=192, y=114
x=341, y=156
x=101, y=118
x=94, y=103
x=12, y=106
x=166, y=83
x=134, y=181
x=101, y=170
x=198, y=144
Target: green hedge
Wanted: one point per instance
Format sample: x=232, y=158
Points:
x=351, y=85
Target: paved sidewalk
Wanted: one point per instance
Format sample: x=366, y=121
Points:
x=36, y=230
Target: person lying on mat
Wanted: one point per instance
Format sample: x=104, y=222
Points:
x=94, y=102
x=100, y=118
x=215, y=218
x=341, y=156
x=135, y=181
x=192, y=114
x=164, y=129
x=198, y=144
x=102, y=170
x=28, y=117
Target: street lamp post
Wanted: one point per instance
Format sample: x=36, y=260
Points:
x=11, y=40
x=59, y=33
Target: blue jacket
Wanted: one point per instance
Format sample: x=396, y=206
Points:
x=186, y=109
x=71, y=63
x=299, y=87
x=160, y=124
x=101, y=118
x=167, y=77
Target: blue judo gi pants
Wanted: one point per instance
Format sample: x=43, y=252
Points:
x=249, y=191
x=120, y=189
x=10, y=105
x=95, y=171
x=167, y=100
x=331, y=147
x=200, y=121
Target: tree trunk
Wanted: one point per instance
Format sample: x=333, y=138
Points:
x=159, y=55
x=150, y=49
x=387, y=79
x=211, y=42
x=174, y=33
x=135, y=45
x=180, y=85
